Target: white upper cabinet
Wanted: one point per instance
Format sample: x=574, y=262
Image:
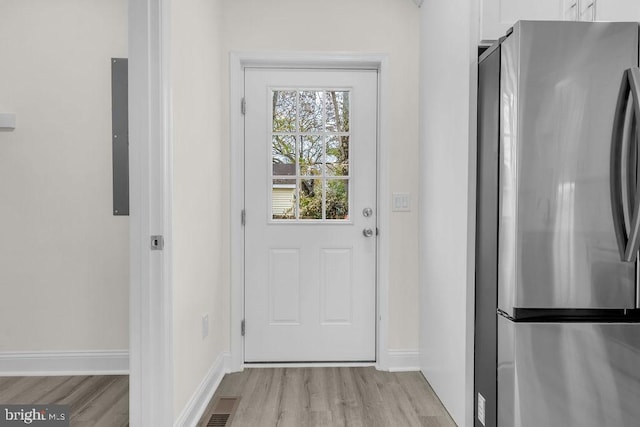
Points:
x=499, y=15
x=617, y=10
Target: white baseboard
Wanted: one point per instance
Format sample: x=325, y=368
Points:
x=196, y=406
x=396, y=361
x=52, y=363
x=309, y=365
x=403, y=360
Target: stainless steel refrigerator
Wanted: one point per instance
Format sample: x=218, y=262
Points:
x=558, y=227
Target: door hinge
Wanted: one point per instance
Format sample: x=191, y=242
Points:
x=243, y=106
x=243, y=217
x=157, y=243
x=242, y=327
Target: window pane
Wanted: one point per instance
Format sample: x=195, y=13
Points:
x=337, y=105
x=337, y=199
x=283, y=154
x=284, y=111
x=310, y=199
x=283, y=199
x=310, y=111
x=338, y=156
x=310, y=155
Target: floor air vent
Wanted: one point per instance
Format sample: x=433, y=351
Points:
x=218, y=420
x=223, y=411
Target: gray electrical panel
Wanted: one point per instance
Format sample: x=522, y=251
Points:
x=120, y=134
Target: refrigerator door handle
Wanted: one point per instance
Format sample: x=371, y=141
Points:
x=633, y=76
x=627, y=232
x=620, y=203
x=626, y=218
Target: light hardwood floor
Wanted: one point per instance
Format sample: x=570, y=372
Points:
x=300, y=397
x=96, y=401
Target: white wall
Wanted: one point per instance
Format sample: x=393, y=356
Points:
x=381, y=26
x=200, y=266
x=447, y=156
x=64, y=258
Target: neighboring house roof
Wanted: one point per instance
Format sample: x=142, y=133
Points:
x=284, y=169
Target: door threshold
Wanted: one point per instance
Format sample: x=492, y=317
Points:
x=309, y=364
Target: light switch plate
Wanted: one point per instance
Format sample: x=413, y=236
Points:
x=401, y=202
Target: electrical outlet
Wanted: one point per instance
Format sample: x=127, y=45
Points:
x=205, y=326
x=481, y=404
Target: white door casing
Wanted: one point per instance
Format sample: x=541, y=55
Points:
x=150, y=295
x=310, y=279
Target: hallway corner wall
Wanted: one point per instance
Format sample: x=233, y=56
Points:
x=64, y=256
x=448, y=76
x=200, y=262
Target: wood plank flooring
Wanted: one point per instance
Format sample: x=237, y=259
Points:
x=96, y=401
x=296, y=397
x=331, y=397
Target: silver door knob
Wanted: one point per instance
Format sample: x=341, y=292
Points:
x=367, y=232
x=367, y=212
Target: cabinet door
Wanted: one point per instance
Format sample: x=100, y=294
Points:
x=587, y=10
x=499, y=15
x=618, y=10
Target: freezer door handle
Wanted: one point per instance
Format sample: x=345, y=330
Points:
x=618, y=168
x=625, y=193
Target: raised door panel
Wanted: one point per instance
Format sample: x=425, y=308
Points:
x=499, y=15
x=336, y=286
x=284, y=287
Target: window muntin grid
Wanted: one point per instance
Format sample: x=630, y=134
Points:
x=310, y=153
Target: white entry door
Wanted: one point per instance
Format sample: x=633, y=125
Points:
x=310, y=202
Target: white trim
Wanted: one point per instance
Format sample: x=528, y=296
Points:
x=236, y=138
x=150, y=307
x=310, y=365
x=384, y=209
x=404, y=360
x=471, y=214
x=237, y=62
x=55, y=363
x=200, y=399
x=275, y=59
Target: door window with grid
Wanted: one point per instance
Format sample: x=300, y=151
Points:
x=310, y=155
